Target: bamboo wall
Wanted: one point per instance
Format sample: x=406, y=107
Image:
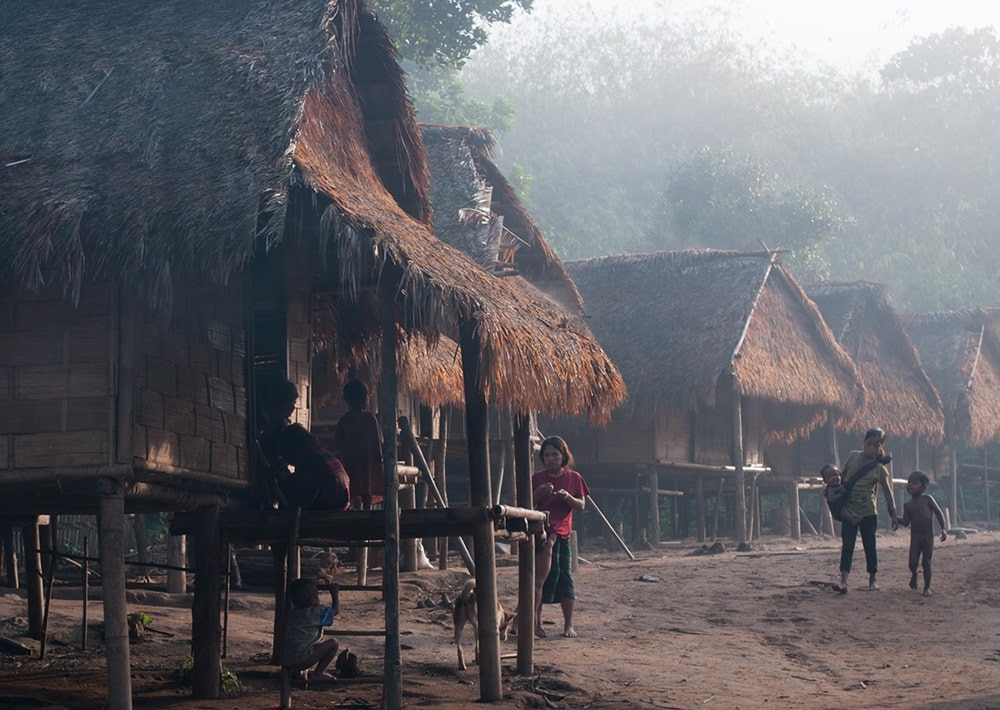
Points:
x=57, y=389
x=188, y=382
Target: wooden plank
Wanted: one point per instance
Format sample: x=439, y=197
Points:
x=201, y=357
x=203, y=417
x=191, y=385
x=76, y=448
x=55, y=381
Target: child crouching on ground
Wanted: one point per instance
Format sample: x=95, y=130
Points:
x=304, y=629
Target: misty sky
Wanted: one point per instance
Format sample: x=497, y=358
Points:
x=850, y=34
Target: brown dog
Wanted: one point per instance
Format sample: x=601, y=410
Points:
x=465, y=612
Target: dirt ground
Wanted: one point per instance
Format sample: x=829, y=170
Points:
x=671, y=629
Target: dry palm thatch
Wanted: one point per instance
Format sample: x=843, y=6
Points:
x=676, y=323
x=901, y=397
x=534, y=354
x=960, y=352
x=465, y=182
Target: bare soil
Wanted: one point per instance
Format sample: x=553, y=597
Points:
x=672, y=629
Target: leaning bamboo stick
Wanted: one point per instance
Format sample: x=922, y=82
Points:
x=611, y=527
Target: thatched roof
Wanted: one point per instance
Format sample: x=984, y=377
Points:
x=901, y=397
x=141, y=141
x=676, y=322
x=477, y=211
x=961, y=353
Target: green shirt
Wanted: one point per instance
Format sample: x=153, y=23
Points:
x=864, y=495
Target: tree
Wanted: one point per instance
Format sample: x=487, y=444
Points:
x=725, y=199
x=443, y=32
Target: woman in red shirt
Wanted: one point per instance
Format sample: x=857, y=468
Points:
x=559, y=490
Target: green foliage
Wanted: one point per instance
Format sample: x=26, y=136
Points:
x=440, y=98
x=443, y=32
x=229, y=684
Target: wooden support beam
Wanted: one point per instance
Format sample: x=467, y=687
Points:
x=112, y=551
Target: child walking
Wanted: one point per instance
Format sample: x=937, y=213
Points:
x=919, y=513
x=304, y=629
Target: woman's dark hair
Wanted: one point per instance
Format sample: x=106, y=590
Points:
x=356, y=394
x=875, y=433
x=561, y=446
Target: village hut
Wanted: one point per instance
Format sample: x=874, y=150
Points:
x=184, y=188
x=961, y=353
x=722, y=353
x=901, y=399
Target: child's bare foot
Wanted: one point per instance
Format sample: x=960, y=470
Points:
x=873, y=587
x=928, y=592
x=570, y=633
x=839, y=588
x=913, y=582
x=540, y=632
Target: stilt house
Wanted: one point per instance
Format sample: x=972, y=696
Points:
x=184, y=187
x=722, y=353
x=961, y=353
x=901, y=399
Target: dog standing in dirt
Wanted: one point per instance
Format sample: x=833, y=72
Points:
x=466, y=611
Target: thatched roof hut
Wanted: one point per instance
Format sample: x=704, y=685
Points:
x=961, y=353
x=134, y=150
x=901, y=397
x=477, y=211
x=675, y=323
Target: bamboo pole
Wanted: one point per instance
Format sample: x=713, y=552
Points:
x=525, y=549
x=86, y=591
x=610, y=527
x=112, y=552
x=440, y=477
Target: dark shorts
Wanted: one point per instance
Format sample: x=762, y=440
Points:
x=559, y=583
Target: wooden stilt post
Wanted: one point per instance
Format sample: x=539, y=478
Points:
x=653, y=481
x=206, y=634
x=177, y=559
x=699, y=493
x=477, y=431
x=33, y=578
x=10, y=557
x=112, y=553
x=388, y=393
x=525, y=548
x=793, y=510
x=441, y=481
x=86, y=592
x=738, y=454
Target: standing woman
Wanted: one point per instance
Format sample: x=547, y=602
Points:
x=559, y=490
x=863, y=474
